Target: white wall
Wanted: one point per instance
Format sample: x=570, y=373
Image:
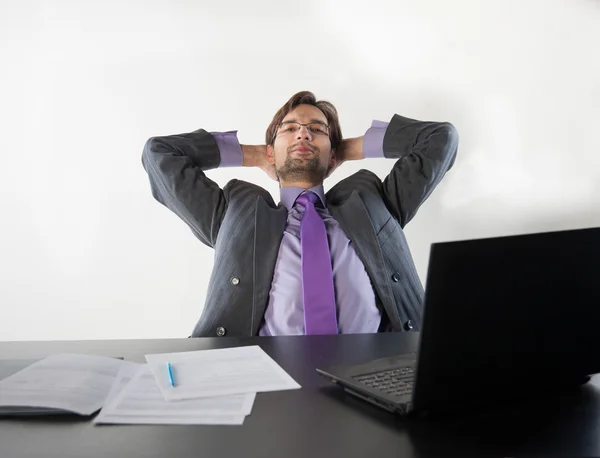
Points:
x=87, y=253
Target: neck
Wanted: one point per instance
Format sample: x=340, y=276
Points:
x=299, y=184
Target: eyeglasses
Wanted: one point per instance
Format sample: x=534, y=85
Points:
x=290, y=127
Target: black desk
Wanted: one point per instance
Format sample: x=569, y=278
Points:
x=318, y=420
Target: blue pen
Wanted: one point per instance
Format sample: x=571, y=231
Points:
x=170, y=372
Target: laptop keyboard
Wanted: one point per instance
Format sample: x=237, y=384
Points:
x=395, y=382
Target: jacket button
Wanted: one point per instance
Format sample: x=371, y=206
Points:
x=221, y=331
x=235, y=281
x=408, y=326
x=396, y=277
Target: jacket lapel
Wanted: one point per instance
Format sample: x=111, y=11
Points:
x=354, y=219
x=269, y=226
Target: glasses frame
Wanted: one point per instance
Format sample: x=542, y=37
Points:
x=277, y=132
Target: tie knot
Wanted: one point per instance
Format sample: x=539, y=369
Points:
x=306, y=197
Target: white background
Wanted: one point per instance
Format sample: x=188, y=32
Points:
x=85, y=251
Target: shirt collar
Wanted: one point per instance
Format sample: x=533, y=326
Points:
x=289, y=195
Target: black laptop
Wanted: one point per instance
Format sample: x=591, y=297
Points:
x=505, y=319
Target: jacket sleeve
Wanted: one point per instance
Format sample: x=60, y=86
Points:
x=175, y=165
x=425, y=151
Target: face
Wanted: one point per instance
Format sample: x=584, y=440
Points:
x=302, y=153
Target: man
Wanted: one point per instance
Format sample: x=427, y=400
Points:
x=317, y=263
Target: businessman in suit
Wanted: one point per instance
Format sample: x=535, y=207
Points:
x=316, y=263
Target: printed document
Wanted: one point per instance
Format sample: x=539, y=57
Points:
x=73, y=382
x=136, y=399
x=227, y=371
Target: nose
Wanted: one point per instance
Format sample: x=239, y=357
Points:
x=303, y=133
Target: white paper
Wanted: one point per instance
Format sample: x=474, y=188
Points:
x=12, y=366
x=141, y=401
x=72, y=382
x=220, y=372
x=126, y=373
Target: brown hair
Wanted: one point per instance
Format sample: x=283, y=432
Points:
x=307, y=98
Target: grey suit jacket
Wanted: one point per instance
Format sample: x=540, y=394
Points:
x=245, y=226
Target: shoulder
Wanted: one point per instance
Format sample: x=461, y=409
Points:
x=362, y=181
x=241, y=192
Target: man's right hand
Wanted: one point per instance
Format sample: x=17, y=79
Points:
x=256, y=156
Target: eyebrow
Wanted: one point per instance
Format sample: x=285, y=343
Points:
x=309, y=122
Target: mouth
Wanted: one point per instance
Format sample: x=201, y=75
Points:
x=302, y=149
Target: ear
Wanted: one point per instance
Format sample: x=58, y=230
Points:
x=332, y=159
x=270, y=155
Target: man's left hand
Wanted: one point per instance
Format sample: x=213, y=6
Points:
x=350, y=149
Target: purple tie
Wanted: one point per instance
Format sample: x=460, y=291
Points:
x=317, y=275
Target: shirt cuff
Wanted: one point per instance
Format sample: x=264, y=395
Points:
x=229, y=147
x=373, y=140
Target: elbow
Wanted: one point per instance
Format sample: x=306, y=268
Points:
x=449, y=134
x=149, y=152
x=148, y=147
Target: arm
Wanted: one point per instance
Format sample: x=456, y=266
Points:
x=175, y=165
x=425, y=151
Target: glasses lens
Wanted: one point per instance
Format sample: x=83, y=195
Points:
x=314, y=127
x=318, y=128
x=289, y=127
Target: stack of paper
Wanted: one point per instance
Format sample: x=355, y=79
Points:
x=136, y=399
x=215, y=387
x=211, y=387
